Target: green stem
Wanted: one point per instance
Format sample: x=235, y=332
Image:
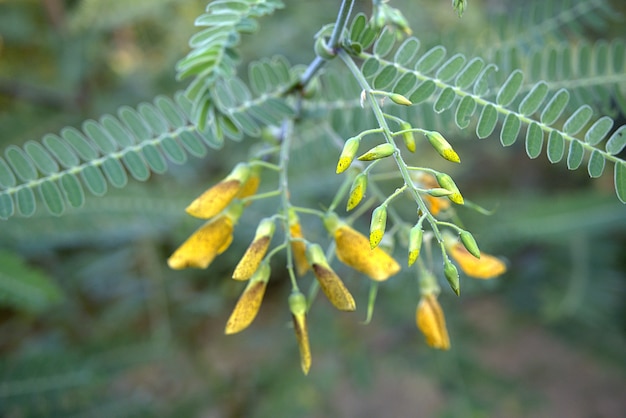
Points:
x=382, y=122
x=342, y=19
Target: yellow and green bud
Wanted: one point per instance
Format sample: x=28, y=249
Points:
x=207, y=242
x=452, y=275
x=298, y=308
x=407, y=136
x=348, y=153
x=446, y=182
x=253, y=256
x=400, y=99
x=416, y=235
x=357, y=191
x=249, y=302
x=470, y=243
x=431, y=322
x=378, y=152
x=442, y=146
x=329, y=281
x=218, y=197
x=378, y=225
x=251, y=185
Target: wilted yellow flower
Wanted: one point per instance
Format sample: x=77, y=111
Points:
x=207, y=242
x=297, y=306
x=298, y=248
x=256, y=251
x=485, y=267
x=430, y=320
x=331, y=284
x=218, y=197
x=249, y=302
x=353, y=249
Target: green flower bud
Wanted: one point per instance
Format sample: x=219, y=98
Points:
x=400, y=99
x=442, y=146
x=357, y=191
x=347, y=154
x=378, y=225
x=378, y=152
x=447, y=183
x=452, y=276
x=438, y=192
x=322, y=50
x=415, y=243
x=470, y=243
x=408, y=137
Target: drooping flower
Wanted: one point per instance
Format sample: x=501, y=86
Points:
x=218, y=197
x=353, y=249
x=251, y=185
x=256, y=251
x=297, y=306
x=485, y=267
x=298, y=247
x=249, y=302
x=431, y=322
x=207, y=242
x=329, y=281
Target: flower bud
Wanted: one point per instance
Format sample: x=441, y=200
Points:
x=251, y=185
x=331, y=284
x=447, y=183
x=442, y=146
x=452, y=276
x=218, y=197
x=256, y=251
x=378, y=152
x=470, y=243
x=378, y=225
x=357, y=191
x=249, y=302
x=415, y=243
x=407, y=136
x=400, y=99
x=438, y=192
x=347, y=154
x=431, y=321
x=298, y=307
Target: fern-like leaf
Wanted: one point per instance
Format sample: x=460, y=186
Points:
x=544, y=114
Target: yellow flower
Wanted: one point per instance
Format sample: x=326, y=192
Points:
x=207, y=242
x=256, y=251
x=298, y=248
x=218, y=197
x=297, y=306
x=485, y=267
x=430, y=320
x=249, y=302
x=251, y=185
x=331, y=284
x=436, y=204
x=353, y=249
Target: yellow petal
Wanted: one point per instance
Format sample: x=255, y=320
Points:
x=302, y=335
x=252, y=258
x=436, y=204
x=247, y=307
x=485, y=267
x=353, y=249
x=333, y=288
x=430, y=320
x=250, y=186
x=298, y=248
x=214, y=200
x=203, y=245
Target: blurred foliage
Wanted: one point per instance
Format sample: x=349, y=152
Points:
x=109, y=330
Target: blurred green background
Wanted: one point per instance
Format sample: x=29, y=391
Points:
x=103, y=328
